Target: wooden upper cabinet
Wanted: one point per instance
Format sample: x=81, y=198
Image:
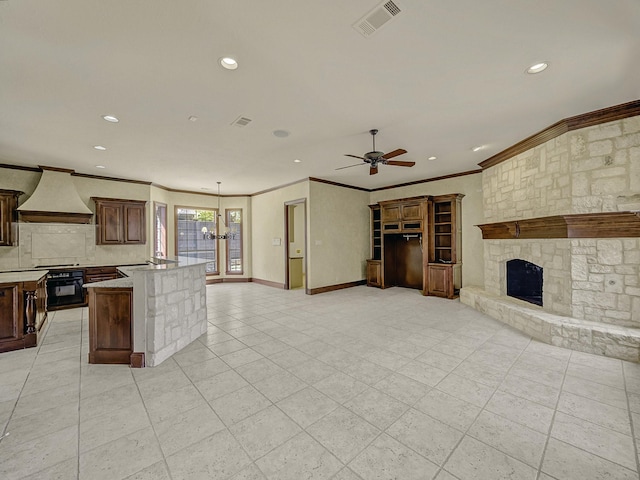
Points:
x=403, y=216
x=8, y=215
x=120, y=222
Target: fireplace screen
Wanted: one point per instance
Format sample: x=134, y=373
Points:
x=524, y=281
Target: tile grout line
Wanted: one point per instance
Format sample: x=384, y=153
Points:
x=465, y=433
x=631, y=422
x=553, y=418
x=155, y=434
x=80, y=390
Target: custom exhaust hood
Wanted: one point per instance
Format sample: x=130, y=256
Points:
x=55, y=200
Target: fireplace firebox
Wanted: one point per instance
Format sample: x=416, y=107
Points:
x=524, y=281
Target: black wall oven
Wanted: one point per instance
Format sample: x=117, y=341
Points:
x=64, y=289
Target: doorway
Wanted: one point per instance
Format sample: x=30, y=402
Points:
x=295, y=221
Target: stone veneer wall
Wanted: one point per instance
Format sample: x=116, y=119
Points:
x=176, y=310
x=591, y=170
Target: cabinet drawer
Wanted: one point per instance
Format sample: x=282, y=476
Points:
x=391, y=227
x=415, y=226
x=101, y=278
x=99, y=274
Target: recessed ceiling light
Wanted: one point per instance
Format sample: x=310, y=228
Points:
x=432, y=158
x=110, y=118
x=537, y=68
x=193, y=118
x=479, y=147
x=100, y=147
x=280, y=133
x=297, y=160
x=100, y=166
x=229, y=63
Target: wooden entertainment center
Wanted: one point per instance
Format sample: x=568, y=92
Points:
x=416, y=243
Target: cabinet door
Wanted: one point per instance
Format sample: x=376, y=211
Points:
x=374, y=271
x=440, y=281
x=391, y=213
x=110, y=325
x=134, y=224
x=11, y=324
x=110, y=223
x=412, y=211
x=8, y=204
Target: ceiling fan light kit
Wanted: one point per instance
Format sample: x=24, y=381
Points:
x=375, y=158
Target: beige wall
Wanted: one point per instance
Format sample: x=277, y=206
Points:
x=472, y=215
x=339, y=235
x=267, y=224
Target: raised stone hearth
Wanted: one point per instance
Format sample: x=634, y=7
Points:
x=582, y=335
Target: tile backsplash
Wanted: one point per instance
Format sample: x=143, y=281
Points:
x=48, y=244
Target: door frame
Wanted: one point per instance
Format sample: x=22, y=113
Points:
x=303, y=202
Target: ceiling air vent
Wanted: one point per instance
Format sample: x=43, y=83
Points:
x=376, y=18
x=241, y=121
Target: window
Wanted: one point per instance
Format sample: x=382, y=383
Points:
x=160, y=229
x=234, y=241
x=196, y=230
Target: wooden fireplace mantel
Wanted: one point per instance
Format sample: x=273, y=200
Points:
x=579, y=225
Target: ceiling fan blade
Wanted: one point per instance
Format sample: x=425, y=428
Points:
x=349, y=166
x=373, y=170
x=354, y=156
x=395, y=153
x=400, y=164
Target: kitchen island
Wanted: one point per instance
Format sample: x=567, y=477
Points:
x=153, y=312
x=23, y=308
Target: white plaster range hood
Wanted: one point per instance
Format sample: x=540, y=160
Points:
x=55, y=200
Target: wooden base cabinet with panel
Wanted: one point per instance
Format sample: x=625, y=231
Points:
x=110, y=327
x=374, y=273
x=23, y=310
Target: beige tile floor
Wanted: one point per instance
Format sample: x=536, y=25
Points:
x=355, y=384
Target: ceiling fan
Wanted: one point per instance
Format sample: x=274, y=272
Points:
x=375, y=158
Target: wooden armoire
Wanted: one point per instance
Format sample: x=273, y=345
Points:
x=416, y=243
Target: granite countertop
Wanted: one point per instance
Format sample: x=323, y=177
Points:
x=28, y=276
x=125, y=282
x=161, y=264
x=166, y=264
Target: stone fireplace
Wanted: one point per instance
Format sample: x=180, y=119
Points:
x=567, y=200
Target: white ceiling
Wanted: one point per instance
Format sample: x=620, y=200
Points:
x=440, y=78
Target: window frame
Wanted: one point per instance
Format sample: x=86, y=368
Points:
x=227, y=215
x=217, y=227
x=165, y=233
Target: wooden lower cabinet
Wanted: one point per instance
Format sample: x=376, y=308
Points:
x=23, y=313
x=110, y=326
x=443, y=280
x=374, y=273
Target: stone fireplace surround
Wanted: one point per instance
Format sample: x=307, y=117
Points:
x=588, y=164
